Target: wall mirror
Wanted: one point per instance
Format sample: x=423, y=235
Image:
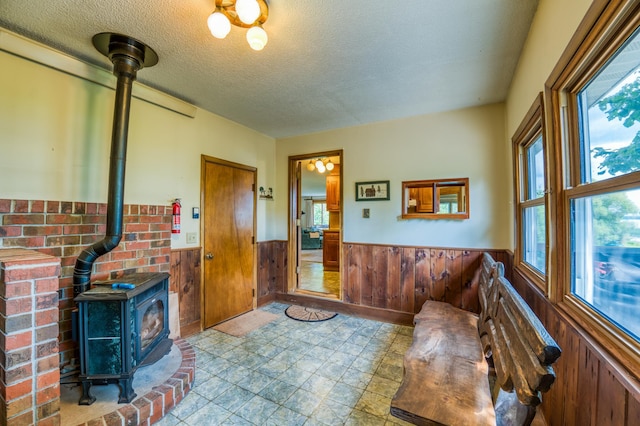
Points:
x=436, y=199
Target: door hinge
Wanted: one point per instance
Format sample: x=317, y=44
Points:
x=253, y=240
x=253, y=292
x=298, y=222
x=253, y=187
x=297, y=269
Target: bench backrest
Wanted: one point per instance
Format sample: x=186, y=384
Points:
x=520, y=347
x=490, y=271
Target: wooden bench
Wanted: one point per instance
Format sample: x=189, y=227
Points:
x=447, y=379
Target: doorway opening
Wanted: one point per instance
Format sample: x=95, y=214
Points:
x=315, y=230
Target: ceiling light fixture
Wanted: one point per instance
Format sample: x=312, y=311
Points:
x=321, y=165
x=251, y=14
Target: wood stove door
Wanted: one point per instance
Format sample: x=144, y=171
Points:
x=229, y=223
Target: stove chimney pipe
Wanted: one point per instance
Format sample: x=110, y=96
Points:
x=128, y=56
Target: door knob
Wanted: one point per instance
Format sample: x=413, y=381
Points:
x=209, y=256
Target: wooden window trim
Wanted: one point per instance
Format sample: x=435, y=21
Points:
x=602, y=32
x=524, y=137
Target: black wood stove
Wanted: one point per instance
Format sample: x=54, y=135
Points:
x=122, y=325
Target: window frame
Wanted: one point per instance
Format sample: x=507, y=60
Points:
x=531, y=128
x=604, y=30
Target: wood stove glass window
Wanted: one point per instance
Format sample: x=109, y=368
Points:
x=152, y=322
x=104, y=338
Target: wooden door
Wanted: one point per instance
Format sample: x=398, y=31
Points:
x=297, y=205
x=229, y=220
x=424, y=200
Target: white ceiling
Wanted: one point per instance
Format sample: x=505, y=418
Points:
x=328, y=64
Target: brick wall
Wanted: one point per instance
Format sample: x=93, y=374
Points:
x=29, y=366
x=63, y=229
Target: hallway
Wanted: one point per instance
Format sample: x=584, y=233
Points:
x=314, y=278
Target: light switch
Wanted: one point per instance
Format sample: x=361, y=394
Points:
x=192, y=237
x=365, y=213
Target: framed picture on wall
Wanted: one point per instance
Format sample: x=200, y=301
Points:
x=372, y=191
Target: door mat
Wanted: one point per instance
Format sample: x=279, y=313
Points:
x=246, y=323
x=301, y=313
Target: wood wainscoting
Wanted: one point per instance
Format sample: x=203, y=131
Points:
x=592, y=388
x=185, y=280
x=401, y=278
x=272, y=270
x=385, y=280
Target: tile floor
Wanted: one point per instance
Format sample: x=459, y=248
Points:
x=343, y=371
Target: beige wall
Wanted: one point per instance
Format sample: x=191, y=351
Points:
x=463, y=143
x=553, y=26
x=55, y=132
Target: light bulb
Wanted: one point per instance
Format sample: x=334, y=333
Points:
x=257, y=38
x=219, y=25
x=310, y=166
x=322, y=168
x=248, y=11
x=329, y=165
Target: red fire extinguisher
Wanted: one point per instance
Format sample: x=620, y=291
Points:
x=175, y=218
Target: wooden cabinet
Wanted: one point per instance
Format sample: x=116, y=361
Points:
x=333, y=190
x=424, y=199
x=331, y=250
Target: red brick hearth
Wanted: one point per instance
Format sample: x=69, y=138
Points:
x=63, y=229
x=30, y=392
x=155, y=404
x=39, y=243
x=29, y=338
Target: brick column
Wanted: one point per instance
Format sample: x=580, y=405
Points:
x=29, y=360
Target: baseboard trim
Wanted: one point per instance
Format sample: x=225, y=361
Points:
x=190, y=329
x=264, y=300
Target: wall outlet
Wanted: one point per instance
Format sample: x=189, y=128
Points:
x=192, y=237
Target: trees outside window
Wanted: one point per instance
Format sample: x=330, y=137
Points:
x=603, y=190
x=320, y=214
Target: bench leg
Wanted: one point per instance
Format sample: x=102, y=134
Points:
x=509, y=411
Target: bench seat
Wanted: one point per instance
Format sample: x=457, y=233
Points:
x=446, y=378
x=451, y=350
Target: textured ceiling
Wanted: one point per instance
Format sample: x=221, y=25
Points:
x=328, y=64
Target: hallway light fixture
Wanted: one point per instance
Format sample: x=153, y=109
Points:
x=321, y=165
x=251, y=14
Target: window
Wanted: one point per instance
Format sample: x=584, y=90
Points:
x=605, y=236
x=435, y=199
x=529, y=154
x=596, y=105
x=320, y=214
